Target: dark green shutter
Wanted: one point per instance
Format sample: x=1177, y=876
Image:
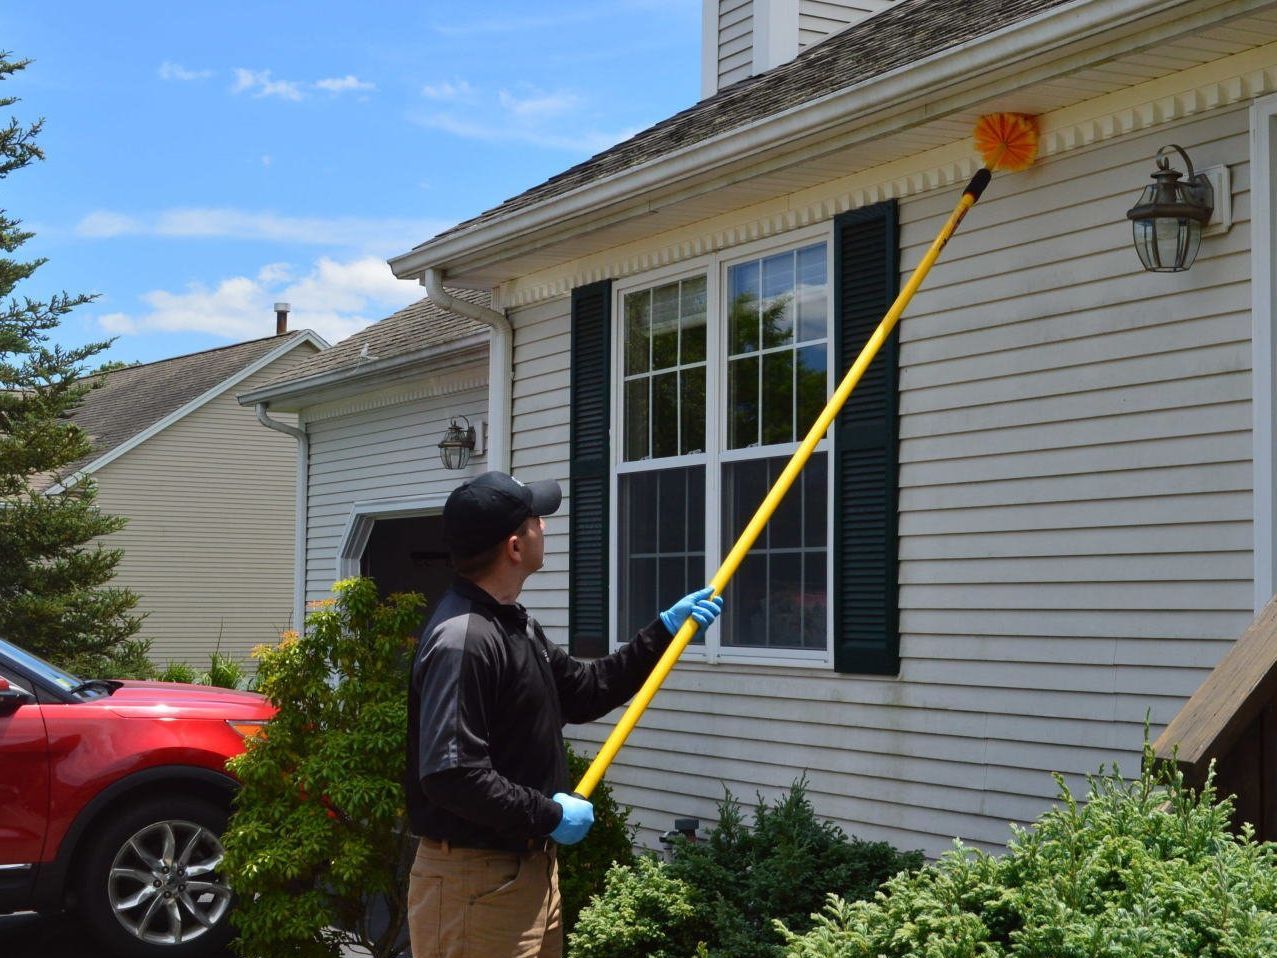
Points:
x=588, y=604
x=866, y=279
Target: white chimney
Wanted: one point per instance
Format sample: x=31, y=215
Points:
x=741, y=38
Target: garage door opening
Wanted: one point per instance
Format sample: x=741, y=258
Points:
x=408, y=555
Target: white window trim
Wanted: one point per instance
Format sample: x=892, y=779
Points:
x=714, y=267
x=1263, y=143
x=354, y=537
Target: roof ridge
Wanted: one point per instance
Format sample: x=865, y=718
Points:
x=199, y=352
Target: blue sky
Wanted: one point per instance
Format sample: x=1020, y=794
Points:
x=208, y=159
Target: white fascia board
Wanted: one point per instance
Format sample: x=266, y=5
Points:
x=1080, y=32
x=292, y=396
x=230, y=382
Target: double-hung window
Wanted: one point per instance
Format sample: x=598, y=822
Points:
x=691, y=387
x=721, y=372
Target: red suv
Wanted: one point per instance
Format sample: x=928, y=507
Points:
x=113, y=797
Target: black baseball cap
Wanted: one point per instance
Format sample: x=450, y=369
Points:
x=484, y=510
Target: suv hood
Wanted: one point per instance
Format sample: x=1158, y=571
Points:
x=151, y=699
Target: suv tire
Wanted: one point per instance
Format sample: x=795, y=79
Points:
x=148, y=883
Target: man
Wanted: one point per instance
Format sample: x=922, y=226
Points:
x=487, y=770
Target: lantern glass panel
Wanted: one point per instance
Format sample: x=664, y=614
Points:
x=1166, y=244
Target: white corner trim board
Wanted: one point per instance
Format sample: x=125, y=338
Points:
x=1263, y=224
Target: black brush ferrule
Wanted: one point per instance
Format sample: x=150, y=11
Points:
x=978, y=182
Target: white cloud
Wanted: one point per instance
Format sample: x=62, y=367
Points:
x=498, y=130
x=448, y=91
x=386, y=236
x=175, y=71
x=273, y=273
x=101, y=224
x=539, y=106
x=259, y=84
x=558, y=120
x=336, y=299
x=347, y=84
x=521, y=25
x=265, y=159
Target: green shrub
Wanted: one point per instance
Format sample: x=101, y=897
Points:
x=583, y=867
x=644, y=912
x=319, y=826
x=177, y=672
x=223, y=672
x=1146, y=867
x=128, y=660
x=726, y=891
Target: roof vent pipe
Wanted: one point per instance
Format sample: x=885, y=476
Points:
x=281, y=318
x=500, y=362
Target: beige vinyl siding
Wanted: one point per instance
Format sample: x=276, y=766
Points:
x=211, y=502
x=1075, y=522
x=735, y=41
x=385, y=451
x=818, y=19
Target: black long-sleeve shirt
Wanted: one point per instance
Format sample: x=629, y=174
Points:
x=488, y=700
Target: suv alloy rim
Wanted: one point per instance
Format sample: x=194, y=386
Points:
x=163, y=885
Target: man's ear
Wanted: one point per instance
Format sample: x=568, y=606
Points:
x=513, y=550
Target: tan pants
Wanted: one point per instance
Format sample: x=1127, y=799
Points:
x=475, y=903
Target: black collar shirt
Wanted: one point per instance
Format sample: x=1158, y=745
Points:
x=488, y=700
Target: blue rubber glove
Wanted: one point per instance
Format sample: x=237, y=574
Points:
x=578, y=816
x=698, y=605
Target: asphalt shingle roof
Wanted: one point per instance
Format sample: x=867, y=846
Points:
x=130, y=400
x=908, y=32
x=414, y=328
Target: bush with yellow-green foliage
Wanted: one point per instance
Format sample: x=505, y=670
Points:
x=319, y=827
x=1139, y=868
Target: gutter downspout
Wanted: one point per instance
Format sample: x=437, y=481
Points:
x=299, y=533
x=500, y=364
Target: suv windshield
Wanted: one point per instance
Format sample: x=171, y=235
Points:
x=25, y=660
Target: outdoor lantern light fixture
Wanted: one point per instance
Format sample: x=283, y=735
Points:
x=457, y=445
x=1168, y=219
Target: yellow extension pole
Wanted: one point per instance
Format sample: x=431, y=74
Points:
x=769, y=505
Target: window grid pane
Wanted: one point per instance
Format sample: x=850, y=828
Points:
x=662, y=526
x=779, y=595
x=665, y=361
x=777, y=318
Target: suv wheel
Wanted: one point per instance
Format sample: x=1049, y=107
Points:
x=150, y=886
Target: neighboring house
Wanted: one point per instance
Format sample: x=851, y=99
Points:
x=209, y=495
x=1047, y=512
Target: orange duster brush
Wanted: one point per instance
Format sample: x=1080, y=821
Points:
x=1007, y=141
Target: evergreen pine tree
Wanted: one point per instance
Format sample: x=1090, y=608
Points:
x=55, y=600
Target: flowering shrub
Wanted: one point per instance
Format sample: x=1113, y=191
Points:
x=1141, y=868
x=319, y=826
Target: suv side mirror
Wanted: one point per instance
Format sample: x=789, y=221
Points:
x=12, y=699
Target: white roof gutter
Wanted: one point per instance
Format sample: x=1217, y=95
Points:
x=500, y=364
x=893, y=100
x=290, y=395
